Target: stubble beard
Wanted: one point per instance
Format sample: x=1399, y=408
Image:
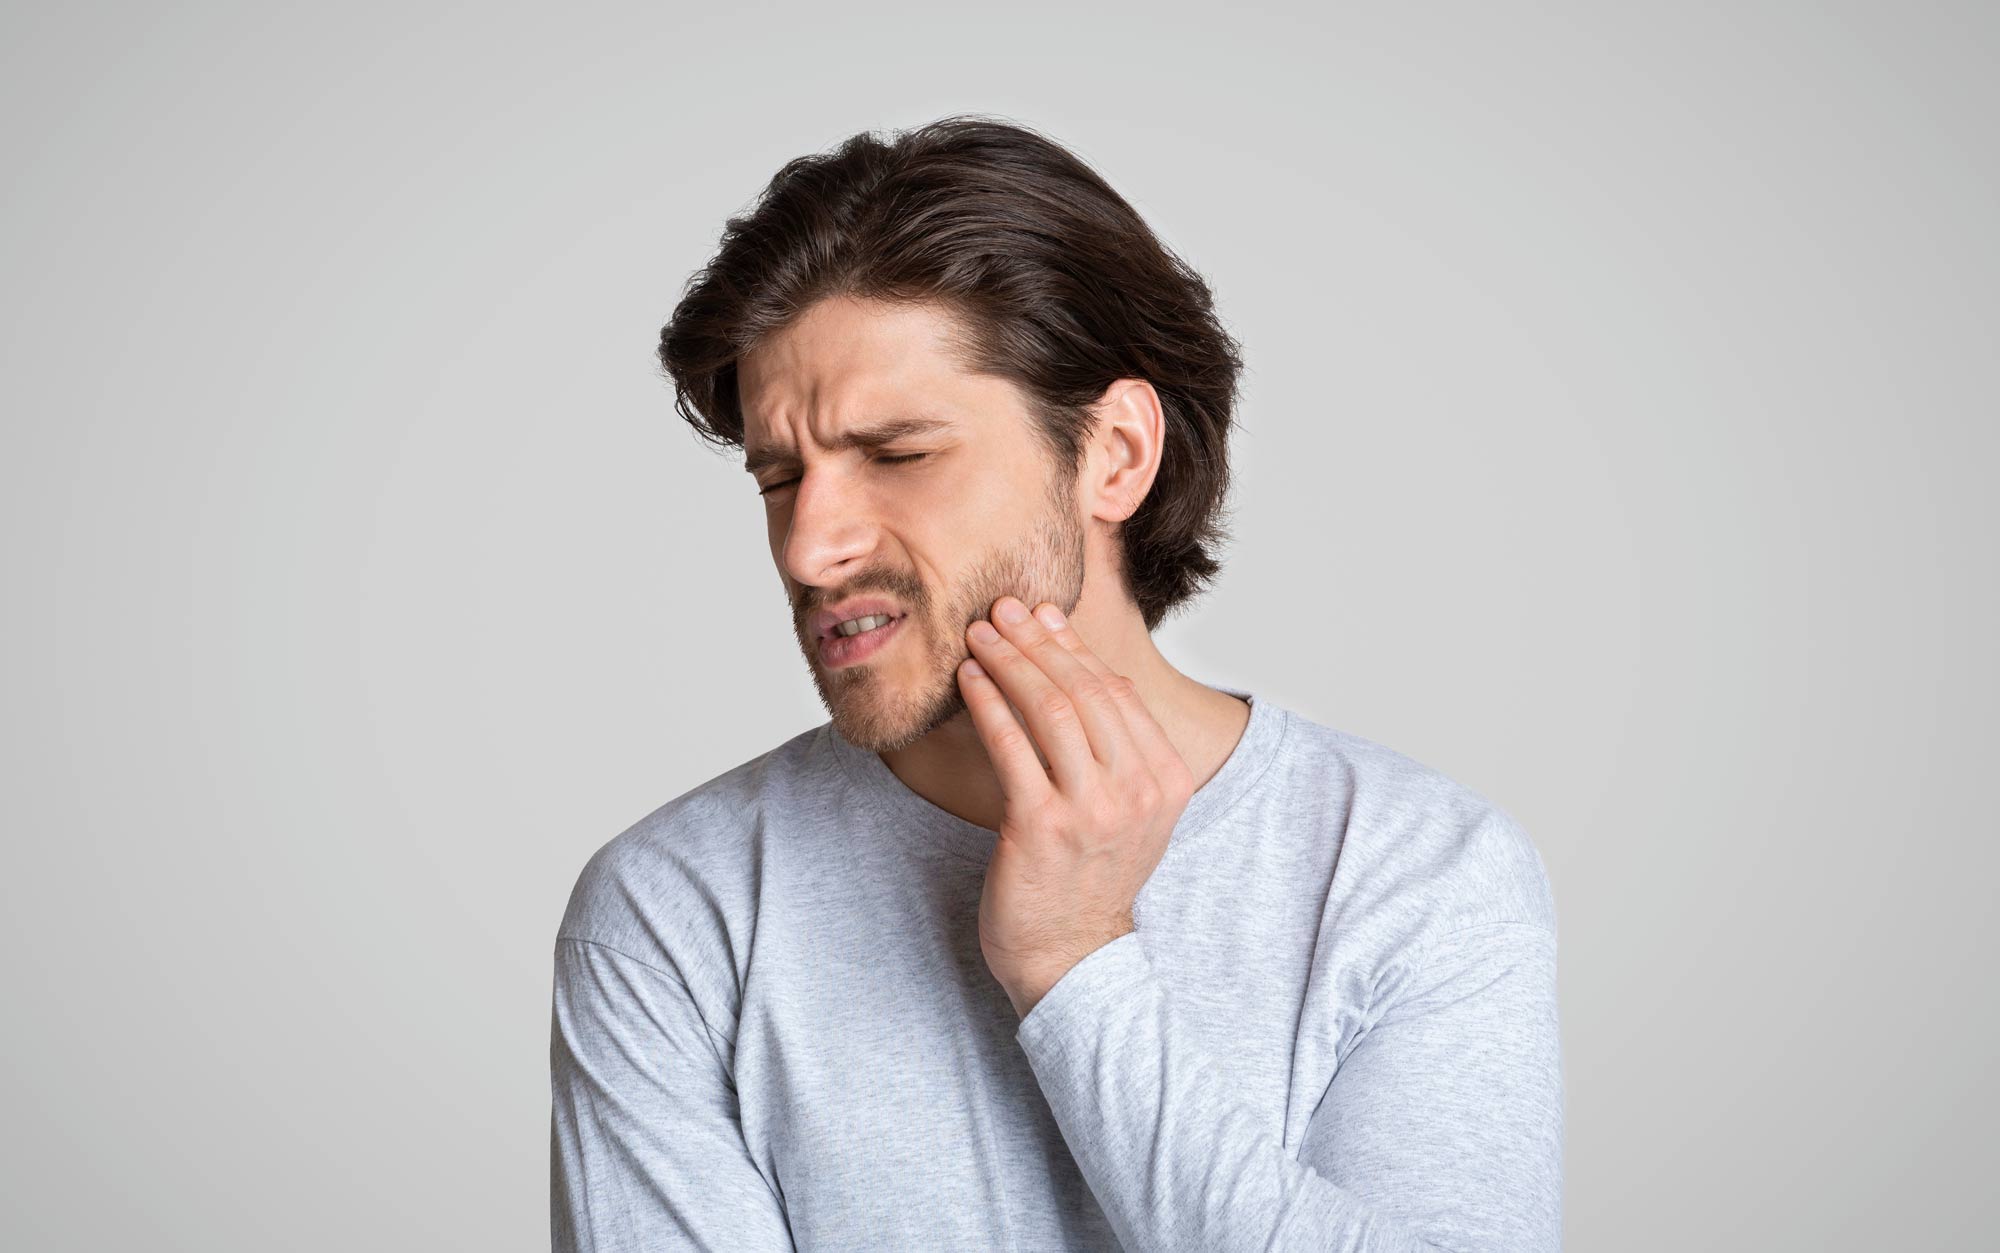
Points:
x=868, y=709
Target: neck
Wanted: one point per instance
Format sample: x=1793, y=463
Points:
x=950, y=768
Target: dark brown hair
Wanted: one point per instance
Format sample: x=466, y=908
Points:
x=1059, y=285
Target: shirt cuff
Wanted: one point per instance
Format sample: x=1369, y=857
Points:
x=1078, y=1004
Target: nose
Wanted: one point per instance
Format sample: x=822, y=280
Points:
x=828, y=532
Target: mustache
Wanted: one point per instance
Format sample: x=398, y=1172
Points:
x=912, y=595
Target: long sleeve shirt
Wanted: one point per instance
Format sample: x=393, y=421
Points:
x=1334, y=1027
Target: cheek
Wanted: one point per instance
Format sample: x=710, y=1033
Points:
x=976, y=503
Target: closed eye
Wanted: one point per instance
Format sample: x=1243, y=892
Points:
x=895, y=459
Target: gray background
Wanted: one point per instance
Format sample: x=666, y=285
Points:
x=1619, y=432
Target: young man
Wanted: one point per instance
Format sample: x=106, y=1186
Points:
x=1038, y=943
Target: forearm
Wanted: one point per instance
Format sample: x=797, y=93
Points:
x=1177, y=1163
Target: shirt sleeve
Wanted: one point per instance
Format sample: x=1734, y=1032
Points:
x=1441, y=1129
x=645, y=1147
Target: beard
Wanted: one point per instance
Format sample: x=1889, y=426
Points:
x=882, y=706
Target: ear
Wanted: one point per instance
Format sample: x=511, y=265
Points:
x=1125, y=448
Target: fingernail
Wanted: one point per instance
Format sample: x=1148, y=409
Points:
x=1051, y=617
x=1011, y=610
x=983, y=631
x=973, y=668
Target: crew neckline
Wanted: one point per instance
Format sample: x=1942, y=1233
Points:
x=1255, y=749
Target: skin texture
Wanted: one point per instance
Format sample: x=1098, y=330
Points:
x=1093, y=789
x=985, y=515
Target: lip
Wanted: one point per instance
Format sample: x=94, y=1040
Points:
x=836, y=651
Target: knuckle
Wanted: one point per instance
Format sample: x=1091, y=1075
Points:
x=1091, y=689
x=1054, y=704
x=1120, y=687
x=1010, y=739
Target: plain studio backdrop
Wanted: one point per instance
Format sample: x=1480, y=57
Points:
x=1617, y=437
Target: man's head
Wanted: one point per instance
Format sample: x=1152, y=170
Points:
x=896, y=483
x=960, y=366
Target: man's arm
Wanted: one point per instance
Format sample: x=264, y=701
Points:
x=645, y=1150
x=1442, y=1128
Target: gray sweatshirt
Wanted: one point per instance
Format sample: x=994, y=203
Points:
x=1334, y=1028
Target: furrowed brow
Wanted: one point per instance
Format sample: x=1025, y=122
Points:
x=873, y=435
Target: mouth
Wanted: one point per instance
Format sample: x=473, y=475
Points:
x=837, y=650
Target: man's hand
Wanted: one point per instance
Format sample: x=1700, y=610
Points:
x=1080, y=837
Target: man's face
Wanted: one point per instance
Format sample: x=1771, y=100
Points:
x=977, y=511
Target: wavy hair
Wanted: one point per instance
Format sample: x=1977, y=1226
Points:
x=1057, y=283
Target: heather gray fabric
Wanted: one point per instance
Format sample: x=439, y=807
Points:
x=1335, y=1027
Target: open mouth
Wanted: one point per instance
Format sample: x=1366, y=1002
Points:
x=861, y=626
x=868, y=635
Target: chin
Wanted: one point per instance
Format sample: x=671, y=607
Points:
x=882, y=717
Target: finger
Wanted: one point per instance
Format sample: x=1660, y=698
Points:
x=1022, y=780
x=1052, y=718
x=1103, y=723
x=1148, y=736
x=1063, y=633
x=1126, y=743
x=1143, y=731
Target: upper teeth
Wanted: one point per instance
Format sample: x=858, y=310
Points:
x=855, y=626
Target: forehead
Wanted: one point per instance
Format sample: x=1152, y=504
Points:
x=849, y=361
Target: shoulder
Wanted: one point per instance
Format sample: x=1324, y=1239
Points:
x=1421, y=854
x=670, y=888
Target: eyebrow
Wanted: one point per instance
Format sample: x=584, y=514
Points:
x=873, y=435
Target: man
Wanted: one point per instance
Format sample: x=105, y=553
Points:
x=1038, y=943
